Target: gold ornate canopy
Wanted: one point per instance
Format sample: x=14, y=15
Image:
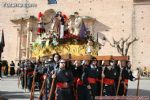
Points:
x=65, y=49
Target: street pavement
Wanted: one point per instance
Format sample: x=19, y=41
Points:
x=9, y=89
x=144, y=87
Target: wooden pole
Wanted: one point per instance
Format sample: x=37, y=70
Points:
x=25, y=78
x=102, y=81
x=119, y=82
x=51, y=89
x=42, y=89
x=33, y=87
x=137, y=91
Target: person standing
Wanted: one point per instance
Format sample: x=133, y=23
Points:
x=0, y=70
x=30, y=74
x=12, y=68
x=77, y=73
x=6, y=69
x=109, y=78
x=64, y=81
x=22, y=74
x=91, y=77
x=54, y=66
x=125, y=76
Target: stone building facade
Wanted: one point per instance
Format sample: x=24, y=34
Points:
x=119, y=18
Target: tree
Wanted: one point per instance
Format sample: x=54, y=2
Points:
x=122, y=45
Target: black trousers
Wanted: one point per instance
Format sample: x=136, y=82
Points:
x=109, y=90
x=83, y=93
x=93, y=91
x=6, y=71
x=123, y=89
x=12, y=71
x=63, y=94
x=22, y=81
x=29, y=82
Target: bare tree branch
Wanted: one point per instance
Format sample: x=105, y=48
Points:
x=123, y=44
x=116, y=44
x=120, y=45
x=110, y=43
x=128, y=45
x=119, y=49
x=127, y=39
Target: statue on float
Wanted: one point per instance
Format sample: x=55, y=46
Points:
x=77, y=24
x=58, y=24
x=69, y=34
x=41, y=27
x=64, y=26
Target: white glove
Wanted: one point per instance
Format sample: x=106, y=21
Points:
x=53, y=76
x=89, y=87
x=103, y=75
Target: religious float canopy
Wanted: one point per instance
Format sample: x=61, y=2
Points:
x=65, y=34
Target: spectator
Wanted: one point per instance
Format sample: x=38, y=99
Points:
x=6, y=69
x=12, y=68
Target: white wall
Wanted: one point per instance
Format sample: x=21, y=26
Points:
x=141, y=48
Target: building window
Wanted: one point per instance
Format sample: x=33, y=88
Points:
x=52, y=1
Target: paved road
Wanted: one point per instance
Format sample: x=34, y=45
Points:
x=10, y=90
x=144, y=88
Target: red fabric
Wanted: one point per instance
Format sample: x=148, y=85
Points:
x=41, y=77
x=65, y=17
x=126, y=81
x=79, y=82
x=108, y=81
x=40, y=15
x=60, y=85
x=100, y=80
x=40, y=30
x=92, y=80
x=30, y=73
x=75, y=80
x=71, y=36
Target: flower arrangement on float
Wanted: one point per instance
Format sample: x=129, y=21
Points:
x=64, y=38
